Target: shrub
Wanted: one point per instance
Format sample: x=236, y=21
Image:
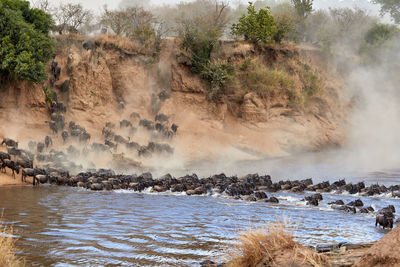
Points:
x=285, y=20
x=311, y=81
x=25, y=45
x=270, y=82
x=217, y=74
x=256, y=26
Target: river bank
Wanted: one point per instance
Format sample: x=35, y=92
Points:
x=7, y=180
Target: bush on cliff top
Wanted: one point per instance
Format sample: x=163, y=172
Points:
x=25, y=44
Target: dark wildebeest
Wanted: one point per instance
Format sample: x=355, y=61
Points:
x=32, y=172
x=110, y=144
x=149, y=125
x=57, y=72
x=9, y=142
x=84, y=137
x=385, y=217
x=14, y=151
x=48, y=141
x=120, y=139
x=64, y=135
x=125, y=124
x=24, y=162
x=54, y=64
x=53, y=126
x=174, y=127
x=161, y=117
x=40, y=147
x=4, y=155
x=11, y=165
x=132, y=146
x=32, y=145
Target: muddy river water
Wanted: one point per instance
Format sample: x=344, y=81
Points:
x=63, y=226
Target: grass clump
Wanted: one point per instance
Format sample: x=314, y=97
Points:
x=273, y=246
x=269, y=82
x=7, y=248
x=217, y=74
x=48, y=93
x=312, y=83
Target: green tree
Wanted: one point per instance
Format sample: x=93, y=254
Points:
x=256, y=26
x=381, y=33
x=25, y=44
x=391, y=7
x=303, y=7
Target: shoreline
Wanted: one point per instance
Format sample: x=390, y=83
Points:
x=6, y=180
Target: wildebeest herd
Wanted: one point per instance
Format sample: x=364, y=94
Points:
x=252, y=187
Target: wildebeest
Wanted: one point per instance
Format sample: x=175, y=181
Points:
x=120, y=139
x=57, y=72
x=14, y=151
x=149, y=125
x=134, y=115
x=84, y=137
x=125, y=124
x=385, y=217
x=32, y=172
x=174, y=127
x=11, y=165
x=64, y=135
x=132, y=146
x=53, y=126
x=40, y=147
x=32, y=145
x=4, y=156
x=161, y=117
x=48, y=141
x=110, y=144
x=24, y=162
x=9, y=142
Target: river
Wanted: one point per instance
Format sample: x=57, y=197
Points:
x=63, y=226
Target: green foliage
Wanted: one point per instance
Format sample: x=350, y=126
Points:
x=285, y=20
x=380, y=33
x=382, y=43
x=391, y=7
x=217, y=74
x=311, y=81
x=48, y=93
x=303, y=7
x=25, y=45
x=246, y=63
x=201, y=45
x=256, y=26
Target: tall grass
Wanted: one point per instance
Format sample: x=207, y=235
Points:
x=7, y=248
x=266, y=245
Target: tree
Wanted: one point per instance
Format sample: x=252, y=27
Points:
x=391, y=7
x=116, y=20
x=200, y=25
x=70, y=17
x=303, y=7
x=25, y=44
x=256, y=26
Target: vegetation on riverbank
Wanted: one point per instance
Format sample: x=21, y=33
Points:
x=7, y=248
x=273, y=246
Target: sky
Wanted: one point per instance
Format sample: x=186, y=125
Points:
x=97, y=5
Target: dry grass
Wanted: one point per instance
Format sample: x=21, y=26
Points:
x=122, y=43
x=7, y=247
x=273, y=246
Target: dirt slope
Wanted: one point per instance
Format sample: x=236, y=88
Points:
x=93, y=82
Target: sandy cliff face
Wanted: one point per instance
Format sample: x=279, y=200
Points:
x=94, y=82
